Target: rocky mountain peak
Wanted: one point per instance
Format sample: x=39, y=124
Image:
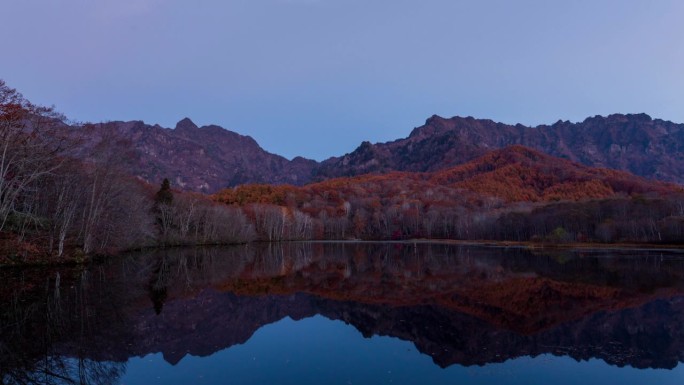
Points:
x=432, y=124
x=210, y=158
x=186, y=124
x=630, y=142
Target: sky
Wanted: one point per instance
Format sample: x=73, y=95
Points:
x=315, y=78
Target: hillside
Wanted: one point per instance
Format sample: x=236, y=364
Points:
x=207, y=159
x=203, y=159
x=514, y=193
x=651, y=148
x=518, y=173
x=511, y=174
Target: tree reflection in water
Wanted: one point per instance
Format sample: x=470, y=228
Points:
x=36, y=317
x=460, y=305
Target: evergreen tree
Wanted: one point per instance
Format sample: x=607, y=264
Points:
x=164, y=195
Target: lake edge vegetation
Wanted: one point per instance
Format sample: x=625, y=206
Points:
x=60, y=205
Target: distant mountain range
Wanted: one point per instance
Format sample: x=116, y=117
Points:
x=196, y=159
x=209, y=158
x=518, y=173
x=635, y=143
x=511, y=174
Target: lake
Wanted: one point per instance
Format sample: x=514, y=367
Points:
x=348, y=313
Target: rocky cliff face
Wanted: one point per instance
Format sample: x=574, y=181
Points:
x=203, y=159
x=209, y=158
x=648, y=147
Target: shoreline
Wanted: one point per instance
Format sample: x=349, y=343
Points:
x=572, y=246
x=560, y=246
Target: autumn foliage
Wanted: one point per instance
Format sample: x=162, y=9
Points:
x=59, y=200
x=61, y=203
x=471, y=201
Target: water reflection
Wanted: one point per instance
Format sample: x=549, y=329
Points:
x=459, y=305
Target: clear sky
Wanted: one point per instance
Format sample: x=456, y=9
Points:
x=317, y=77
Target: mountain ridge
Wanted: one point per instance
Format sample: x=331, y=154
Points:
x=209, y=158
x=633, y=142
x=195, y=158
x=510, y=174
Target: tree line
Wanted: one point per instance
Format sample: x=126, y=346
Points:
x=391, y=207
x=54, y=206
x=57, y=203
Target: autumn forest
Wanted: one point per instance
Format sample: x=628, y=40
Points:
x=62, y=200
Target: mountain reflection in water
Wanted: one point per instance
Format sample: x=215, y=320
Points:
x=459, y=305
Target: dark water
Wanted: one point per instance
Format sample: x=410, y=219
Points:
x=345, y=313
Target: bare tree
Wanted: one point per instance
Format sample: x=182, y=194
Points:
x=27, y=153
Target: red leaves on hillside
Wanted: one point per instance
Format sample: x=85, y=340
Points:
x=514, y=174
x=461, y=202
x=518, y=174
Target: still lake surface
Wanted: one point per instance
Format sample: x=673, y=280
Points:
x=348, y=313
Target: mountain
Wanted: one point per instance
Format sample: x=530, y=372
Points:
x=651, y=148
x=203, y=159
x=519, y=173
x=511, y=174
x=515, y=193
x=209, y=158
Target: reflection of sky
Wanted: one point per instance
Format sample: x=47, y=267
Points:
x=293, y=73
x=319, y=351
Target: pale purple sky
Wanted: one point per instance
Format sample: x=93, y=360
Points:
x=317, y=77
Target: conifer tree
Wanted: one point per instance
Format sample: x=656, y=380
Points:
x=164, y=195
